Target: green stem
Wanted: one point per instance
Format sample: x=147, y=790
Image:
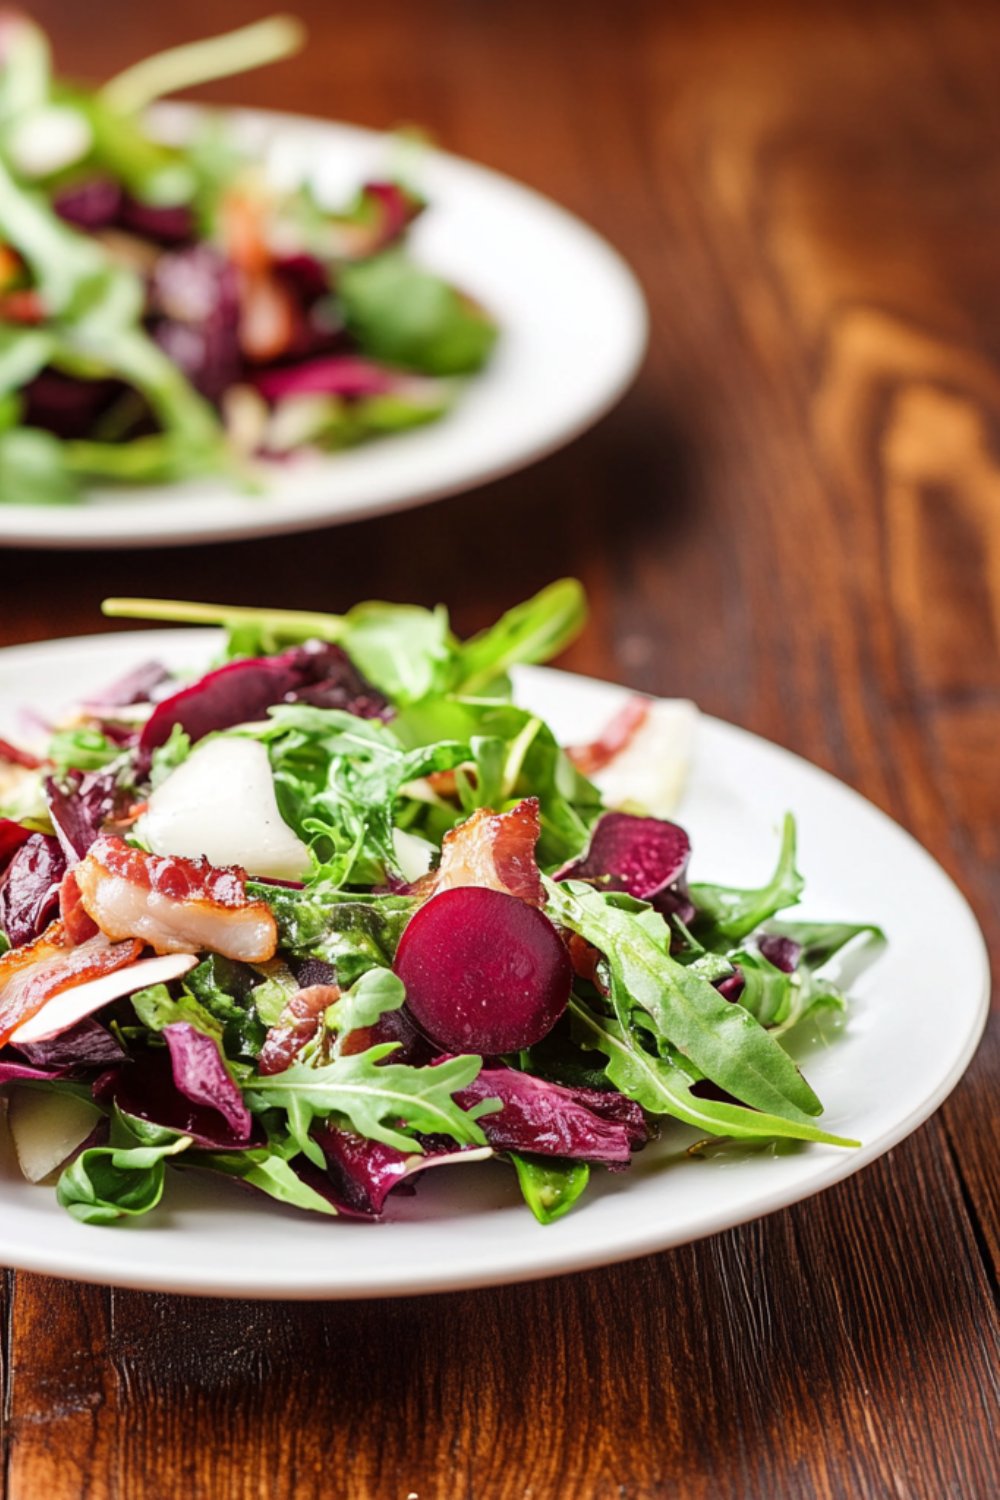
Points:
x=202, y=62
x=294, y=622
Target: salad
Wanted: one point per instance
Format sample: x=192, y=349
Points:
x=338, y=911
x=168, y=312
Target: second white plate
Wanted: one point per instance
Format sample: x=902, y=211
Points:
x=573, y=330
x=913, y=1025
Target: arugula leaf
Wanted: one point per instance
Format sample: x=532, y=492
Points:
x=408, y=316
x=337, y=778
x=266, y=1171
x=722, y=1039
x=550, y=1186
x=663, y=1088
x=531, y=632
x=730, y=912
x=369, y=1096
x=107, y=1182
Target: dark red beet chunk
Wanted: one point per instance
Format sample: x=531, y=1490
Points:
x=241, y=691
x=484, y=972
x=642, y=856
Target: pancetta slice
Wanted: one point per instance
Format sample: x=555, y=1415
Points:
x=298, y=1023
x=32, y=974
x=496, y=850
x=175, y=905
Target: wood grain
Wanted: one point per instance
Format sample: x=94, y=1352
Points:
x=793, y=518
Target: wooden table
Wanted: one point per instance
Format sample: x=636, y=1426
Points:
x=795, y=519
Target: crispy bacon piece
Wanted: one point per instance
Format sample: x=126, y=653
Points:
x=298, y=1024
x=589, y=759
x=496, y=850
x=31, y=975
x=18, y=757
x=79, y=926
x=175, y=905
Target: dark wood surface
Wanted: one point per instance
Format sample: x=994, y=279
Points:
x=795, y=519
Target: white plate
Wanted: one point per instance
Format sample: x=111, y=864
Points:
x=573, y=326
x=914, y=1023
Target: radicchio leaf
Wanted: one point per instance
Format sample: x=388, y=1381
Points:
x=201, y=1076
x=345, y=375
x=15, y=1072
x=135, y=687
x=551, y=1120
x=29, y=894
x=146, y=1089
x=363, y=1173
x=79, y=808
x=783, y=952
x=87, y=1044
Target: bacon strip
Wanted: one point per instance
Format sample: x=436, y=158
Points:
x=175, y=905
x=31, y=975
x=298, y=1024
x=496, y=850
x=616, y=734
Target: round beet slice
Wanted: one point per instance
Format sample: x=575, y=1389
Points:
x=484, y=971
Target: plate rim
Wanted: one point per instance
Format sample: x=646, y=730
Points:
x=650, y=1238
x=31, y=526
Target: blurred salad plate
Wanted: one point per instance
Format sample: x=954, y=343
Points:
x=217, y=324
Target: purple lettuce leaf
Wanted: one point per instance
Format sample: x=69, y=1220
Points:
x=164, y=225
x=195, y=299
x=552, y=1120
x=201, y=1076
x=79, y=808
x=362, y=1173
x=29, y=894
x=135, y=687
x=16, y=1072
x=91, y=204
x=647, y=857
x=242, y=691
x=146, y=1088
x=87, y=1044
x=67, y=405
x=347, y=375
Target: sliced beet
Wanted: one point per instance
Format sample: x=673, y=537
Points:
x=783, y=952
x=642, y=856
x=242, y=691
x=484, y=972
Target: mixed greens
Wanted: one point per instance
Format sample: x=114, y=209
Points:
x=166, y=312
x=339, y=910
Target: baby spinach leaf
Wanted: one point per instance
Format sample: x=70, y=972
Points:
x=107, y=1183
x=376, y=992
x=408, y=316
